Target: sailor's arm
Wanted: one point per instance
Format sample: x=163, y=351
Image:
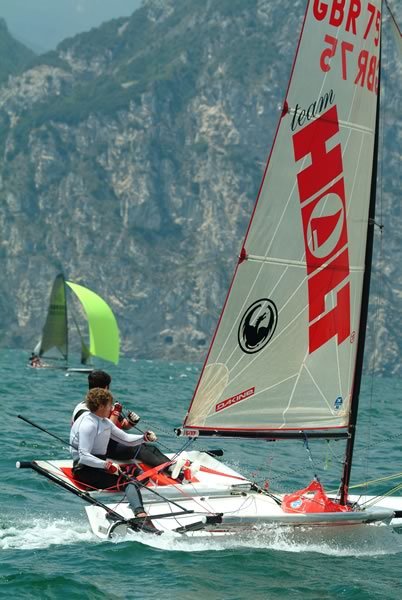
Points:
x=116, y=416
x=129, y=439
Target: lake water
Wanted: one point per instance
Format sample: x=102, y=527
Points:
x=48, y=551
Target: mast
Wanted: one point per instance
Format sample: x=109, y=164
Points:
x=347, y=468
x=85, y=353
x=66, y=317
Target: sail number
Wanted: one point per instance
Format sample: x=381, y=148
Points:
x=366, y=73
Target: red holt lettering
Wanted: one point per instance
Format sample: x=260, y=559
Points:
x=323, y=213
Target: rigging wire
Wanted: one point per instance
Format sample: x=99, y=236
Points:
x=310, y=457
x=284, y=474
x=277, y=477
x=378, y=295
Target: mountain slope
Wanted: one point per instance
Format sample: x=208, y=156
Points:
x=14, y=56
x=131, y=159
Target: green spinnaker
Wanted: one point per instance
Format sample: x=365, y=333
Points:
x=104, y=339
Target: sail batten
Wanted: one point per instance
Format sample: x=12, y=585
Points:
x=284, y=352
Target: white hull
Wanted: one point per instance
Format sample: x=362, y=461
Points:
x=221, y=490
x=391, y=502
x=240, y=514
x=212, y=489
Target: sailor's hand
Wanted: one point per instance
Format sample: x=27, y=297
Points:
x=112, y=468
x=150, y=436
x=132, y=418
x=116, y=409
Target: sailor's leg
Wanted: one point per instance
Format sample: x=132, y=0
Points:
x=94, y=478
x=121, y=451
x=151, y=455
x=134, y=498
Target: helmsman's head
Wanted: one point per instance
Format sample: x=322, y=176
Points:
x=99, y=379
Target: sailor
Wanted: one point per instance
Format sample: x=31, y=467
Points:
x=146, y=453
x=34, y=360
x=89, y=438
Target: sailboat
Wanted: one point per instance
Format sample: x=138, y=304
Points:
x=52, y=350
x=285, y=361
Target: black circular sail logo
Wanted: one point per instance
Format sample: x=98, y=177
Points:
x=257, y=326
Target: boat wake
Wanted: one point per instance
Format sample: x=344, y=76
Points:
x=374, y=541
x=41, y=533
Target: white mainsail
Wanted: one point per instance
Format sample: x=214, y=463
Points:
x=284, y=352
x=53, y=342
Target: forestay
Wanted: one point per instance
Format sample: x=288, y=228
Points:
x=284, y=352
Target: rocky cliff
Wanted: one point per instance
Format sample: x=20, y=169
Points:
x=130, y=159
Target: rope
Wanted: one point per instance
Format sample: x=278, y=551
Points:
x=310, y=457
x=378, y=480
x=297, y=470
x=79, y=483
x=148, y=426
x=379, y=497
x=252, y=475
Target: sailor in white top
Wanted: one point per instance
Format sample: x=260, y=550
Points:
x=89, y=439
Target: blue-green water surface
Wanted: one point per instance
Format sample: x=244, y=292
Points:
x=48, y=551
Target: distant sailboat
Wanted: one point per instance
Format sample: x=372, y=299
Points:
x=53, y=346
